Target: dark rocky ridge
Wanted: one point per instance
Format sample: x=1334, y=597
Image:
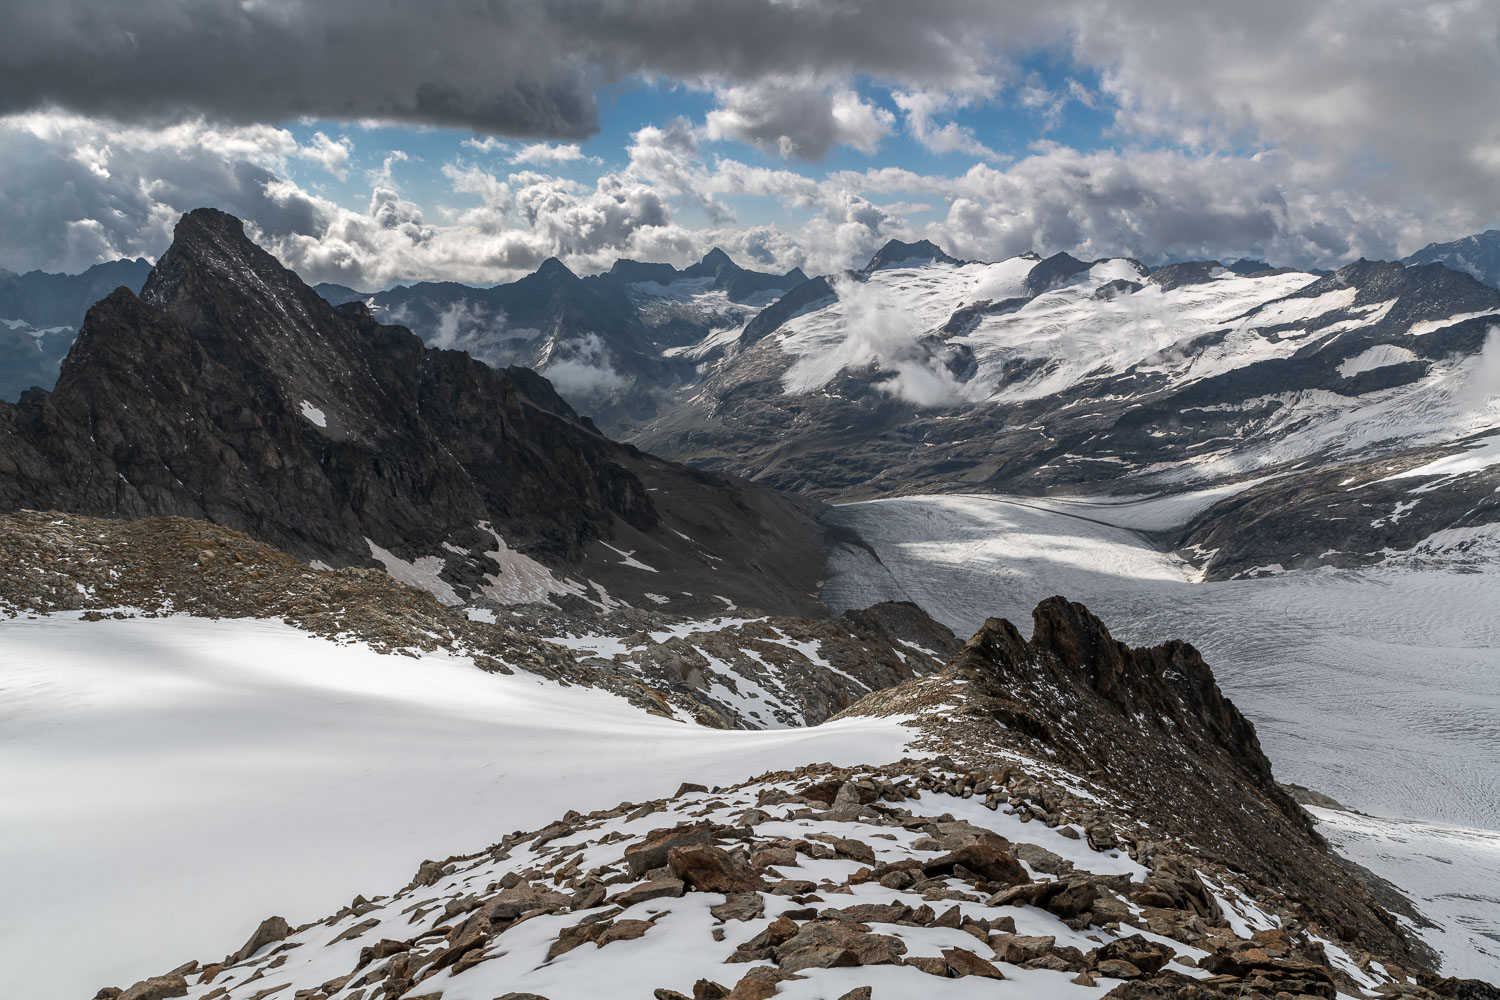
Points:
x=159, y=566
x=230, y=391
x=1151, y=726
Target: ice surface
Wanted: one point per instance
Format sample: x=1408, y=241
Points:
x=246, y=768
x=1379, y=356
x=1453, y=874
x=422, y=573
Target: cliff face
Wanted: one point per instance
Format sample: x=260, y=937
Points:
x=230, y=391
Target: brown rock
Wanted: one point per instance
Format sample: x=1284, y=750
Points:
x=589, y=896
x=758, y=984
x=572, y=937
x=156, y=988
x=624, y=930
x=779, y=857
x=1116, y=968
x=854, y=850
x=1148, y=956
x=740, y=906
x=428, y=872
x=763, y=945
x=858, y=993
x=651, y=852
x=832, y=944
x=987, y=859
x=271, y=930
x=962, y=962
x=662, y=888
x=713, y=869
x=707, y=989
x=928, y=964
x=870, y=913
x=1018, y=949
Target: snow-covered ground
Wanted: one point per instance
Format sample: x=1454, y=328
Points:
x=246, y=768
x=1379, y=687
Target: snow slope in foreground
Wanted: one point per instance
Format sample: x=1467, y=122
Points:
x=170, y=782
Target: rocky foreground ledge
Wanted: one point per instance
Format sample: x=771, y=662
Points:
x=1090, y=820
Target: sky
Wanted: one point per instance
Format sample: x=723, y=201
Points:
x=377, y=143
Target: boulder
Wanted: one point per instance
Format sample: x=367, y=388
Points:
x=271, y=930
x=832, y=944
x=156, y=988
x=1149, y=957
x=962, y=962
x=651, y=851
x=713, y=869
x=660, y=888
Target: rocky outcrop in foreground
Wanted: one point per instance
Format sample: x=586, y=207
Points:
x=1092, y=819
x=852, y=883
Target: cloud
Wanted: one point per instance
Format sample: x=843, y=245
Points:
x=547, y=153
x=332, y=154
x=881, y=331
x=580, y=369
x=801, y=119
x=920, y=107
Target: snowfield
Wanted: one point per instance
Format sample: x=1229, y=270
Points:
x=246, y=768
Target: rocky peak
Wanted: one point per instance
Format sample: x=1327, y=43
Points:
x=1188, y=272
x=1052, y=272
x=899, y=254
x=230, y=391
x=555, y=270
x=1477, y=255
x=635, y=270
x=717, y=259
x=1073, y=660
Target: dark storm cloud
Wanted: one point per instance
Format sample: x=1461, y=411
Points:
x=517, y=67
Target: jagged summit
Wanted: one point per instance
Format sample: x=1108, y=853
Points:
x=898, y=254
x=553, y=269
x=230, y=391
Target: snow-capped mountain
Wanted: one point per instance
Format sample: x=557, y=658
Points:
x=1037, y=375
x=40, y=314
x=1477, y=255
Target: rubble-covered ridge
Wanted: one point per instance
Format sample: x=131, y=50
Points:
x=726, y=673
x=873, y=882
x=1151, y=732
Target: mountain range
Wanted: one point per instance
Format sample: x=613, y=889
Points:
x=333, y=565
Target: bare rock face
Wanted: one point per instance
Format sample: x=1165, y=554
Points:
x=229, y=391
